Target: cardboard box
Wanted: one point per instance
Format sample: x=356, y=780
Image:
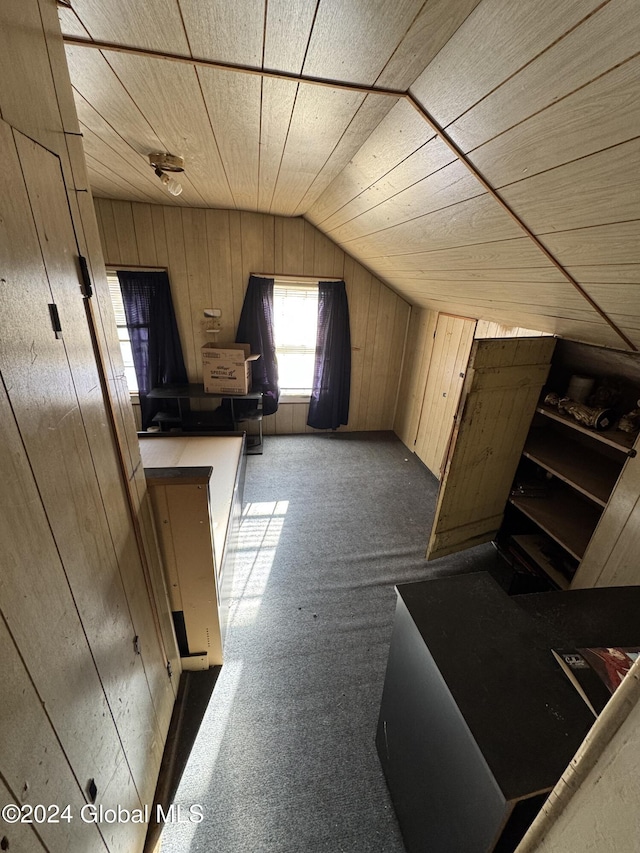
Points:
x=226, y=369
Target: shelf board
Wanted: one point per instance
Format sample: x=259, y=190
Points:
x=623, y=441
x=533, y=545
x=590, y=473
x=563, y=515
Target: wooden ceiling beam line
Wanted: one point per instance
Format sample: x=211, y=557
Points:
x=75, y=41
x=459, y=153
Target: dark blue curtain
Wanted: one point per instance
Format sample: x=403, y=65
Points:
x=329, y=405
x=256, y=329
x=157, y=354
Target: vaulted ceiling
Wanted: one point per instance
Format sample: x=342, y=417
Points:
x=481, y=156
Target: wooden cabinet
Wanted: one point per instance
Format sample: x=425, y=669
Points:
x=528, y=476
x=575, y=470
x=502, y=386
x=195, y=485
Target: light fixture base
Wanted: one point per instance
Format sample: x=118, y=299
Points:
x=167, y=162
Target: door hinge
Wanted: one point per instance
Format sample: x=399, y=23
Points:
x=136, y=645
x=55, y=319
x=87, y=288
x=169, y=669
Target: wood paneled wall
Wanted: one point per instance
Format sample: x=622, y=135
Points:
x=80, y=700
x=209, y=255
x=422, y=329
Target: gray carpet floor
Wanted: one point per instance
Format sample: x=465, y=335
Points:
x=285, y=759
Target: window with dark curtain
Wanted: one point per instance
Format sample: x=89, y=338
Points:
x=329, y=404
x=155, y=343
x=255, y=328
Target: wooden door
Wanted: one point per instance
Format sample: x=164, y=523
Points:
x=55, y=403
x=449, y=357
x=501, y=390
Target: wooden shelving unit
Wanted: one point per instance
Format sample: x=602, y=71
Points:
x=534, y=546
x=587, y=471
x=567, y=471
x=565, y=516
x=531, y=477
x=615, y=438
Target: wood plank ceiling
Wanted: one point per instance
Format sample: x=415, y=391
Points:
x=481, y=156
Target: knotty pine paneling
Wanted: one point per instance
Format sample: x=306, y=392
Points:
x=209, y=255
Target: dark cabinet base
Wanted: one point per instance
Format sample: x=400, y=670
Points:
x=477, y=722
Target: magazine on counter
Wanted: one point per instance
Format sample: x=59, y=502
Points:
x=596, y=672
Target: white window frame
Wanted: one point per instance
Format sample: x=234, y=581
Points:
x=115, y=293
x=280, y=288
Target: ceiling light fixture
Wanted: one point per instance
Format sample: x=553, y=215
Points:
x=163, y=163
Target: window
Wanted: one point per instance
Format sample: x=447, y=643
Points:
x=123, y=332
x=295, y=323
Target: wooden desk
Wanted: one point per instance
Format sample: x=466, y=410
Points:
x=477, y=722
x=195, y=484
